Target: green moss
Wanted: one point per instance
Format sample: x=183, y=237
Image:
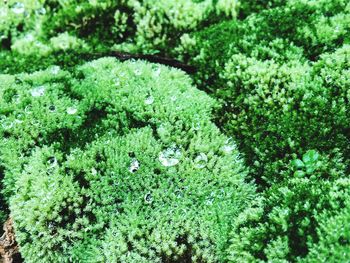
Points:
x=117, y=161
x=280, y=75
x=334, y=238
x=285, y=224
x=134, y=26
x=299, y=30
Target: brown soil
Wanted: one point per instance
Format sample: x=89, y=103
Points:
x=8, y=246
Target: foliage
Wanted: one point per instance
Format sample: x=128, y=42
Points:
x=130, y=25
x=117, y=161
x=286, y=221
x=121, y=162
x=281, y=77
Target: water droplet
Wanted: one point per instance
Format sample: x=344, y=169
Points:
x=328, y=79
x=18, y=80
x=29, y=37
x=134, y=166
x=170, y=156
x=229, y=146
x=209, y=201
x=19, y=118
x=148, y=198
x=179, y=194
x=72, y=110
x=93, y=171
x=3, y=11
x=196, y=126
x=138, y=72
x=6, y=124
x=16, y=98
x=149, y=100
x=41, y=11
x=52, y=162
x=28, y=109
x=157, y=72
x=38, y=91
x=55, y=69
x=35, y=123
x=18, y=8
x=52, y=108
x=117, y=82
x=201, y=161
x=51, y=226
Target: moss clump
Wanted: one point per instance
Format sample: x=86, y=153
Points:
x=286, y=223
x=280, y=75
x=117, y=161
x=297, y=30
x=136, y=26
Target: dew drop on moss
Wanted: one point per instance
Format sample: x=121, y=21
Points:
x=52, y=162
x=28, y=109
x=18, y=8
x=328, y=79
x=93, y=171
x=38, y=91
x=148, y=198
x=41, y=11
x=55, y=70
x=229, y=146
x=52, y=108
x=6, y=124
x=134, y=166
x=16, y=98
x=170, y=156
x=201, y=161
x=72, y=110
x=149, y=100
x=157, y=72
x=138, y=72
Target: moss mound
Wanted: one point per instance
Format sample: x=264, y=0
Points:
x=117, y=161
x=104, y=161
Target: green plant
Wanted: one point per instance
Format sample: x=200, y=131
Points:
x=117, y=161
x=286, y=224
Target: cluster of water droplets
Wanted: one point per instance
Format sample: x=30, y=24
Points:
x=170, y=156
x=210, y=199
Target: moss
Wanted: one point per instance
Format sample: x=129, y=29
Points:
x=298, y=30
x=102, y=162
x=285, y=223
x=134, y=26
